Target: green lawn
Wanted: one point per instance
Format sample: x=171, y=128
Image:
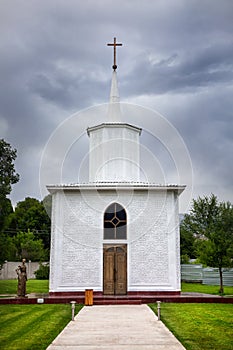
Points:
x=202, y=288
x=32, y=327
x=33, y=286
x=197, y=326
x=42, y=286
x=200, y=326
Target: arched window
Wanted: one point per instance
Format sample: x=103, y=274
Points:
x=115, y=222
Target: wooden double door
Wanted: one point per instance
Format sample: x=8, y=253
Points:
x=115, y=269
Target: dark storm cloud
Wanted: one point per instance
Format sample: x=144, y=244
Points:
x=181, y=71
x=176, y=55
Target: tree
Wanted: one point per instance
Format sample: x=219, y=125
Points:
x=211, y=223
x=22, y=245
x=27, y=246
x=30, y=214
x=187, y=240
x=8, y=176
x=7, y=248
x=47, y=203
x=6, y=210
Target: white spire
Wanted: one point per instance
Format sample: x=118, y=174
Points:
x=114, y=111
x=114, y=94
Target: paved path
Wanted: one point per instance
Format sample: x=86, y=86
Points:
x=116, y=327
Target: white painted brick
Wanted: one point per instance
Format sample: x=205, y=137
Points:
x=77, y=239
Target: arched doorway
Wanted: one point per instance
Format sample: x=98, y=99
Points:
x=115, y=255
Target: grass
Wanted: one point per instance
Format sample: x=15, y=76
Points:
x=33, y=286
x=32, y=326
x=202, y=288
x=199, y=326
x=42, y=286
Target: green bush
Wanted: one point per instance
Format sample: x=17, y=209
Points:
x=43, y=272
x=185, y=259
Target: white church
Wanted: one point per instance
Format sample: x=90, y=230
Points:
x=115, y=234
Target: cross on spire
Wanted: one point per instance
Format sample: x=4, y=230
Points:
x=114, y=44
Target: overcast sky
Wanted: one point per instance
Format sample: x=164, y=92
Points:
x=176, y=58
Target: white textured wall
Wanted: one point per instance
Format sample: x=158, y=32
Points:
x=114, y=153
x=152, y=239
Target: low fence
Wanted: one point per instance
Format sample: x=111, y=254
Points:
x=211, y=276
x=189, y=273
x=208, y=275
x=8, y=272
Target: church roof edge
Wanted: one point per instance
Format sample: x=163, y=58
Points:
x=116, y=185
x=113, y=124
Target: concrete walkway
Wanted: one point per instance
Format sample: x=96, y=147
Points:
x=123, y=327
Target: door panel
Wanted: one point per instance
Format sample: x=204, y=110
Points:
x=109, y=258
x=115, y=270
x=120, y=265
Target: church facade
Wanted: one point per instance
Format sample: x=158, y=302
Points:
x=115, y=234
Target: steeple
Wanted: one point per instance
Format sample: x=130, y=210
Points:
x=114, y=111
x=114, y=145
x=114, y=93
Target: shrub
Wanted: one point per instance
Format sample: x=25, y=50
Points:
x=43, y=272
